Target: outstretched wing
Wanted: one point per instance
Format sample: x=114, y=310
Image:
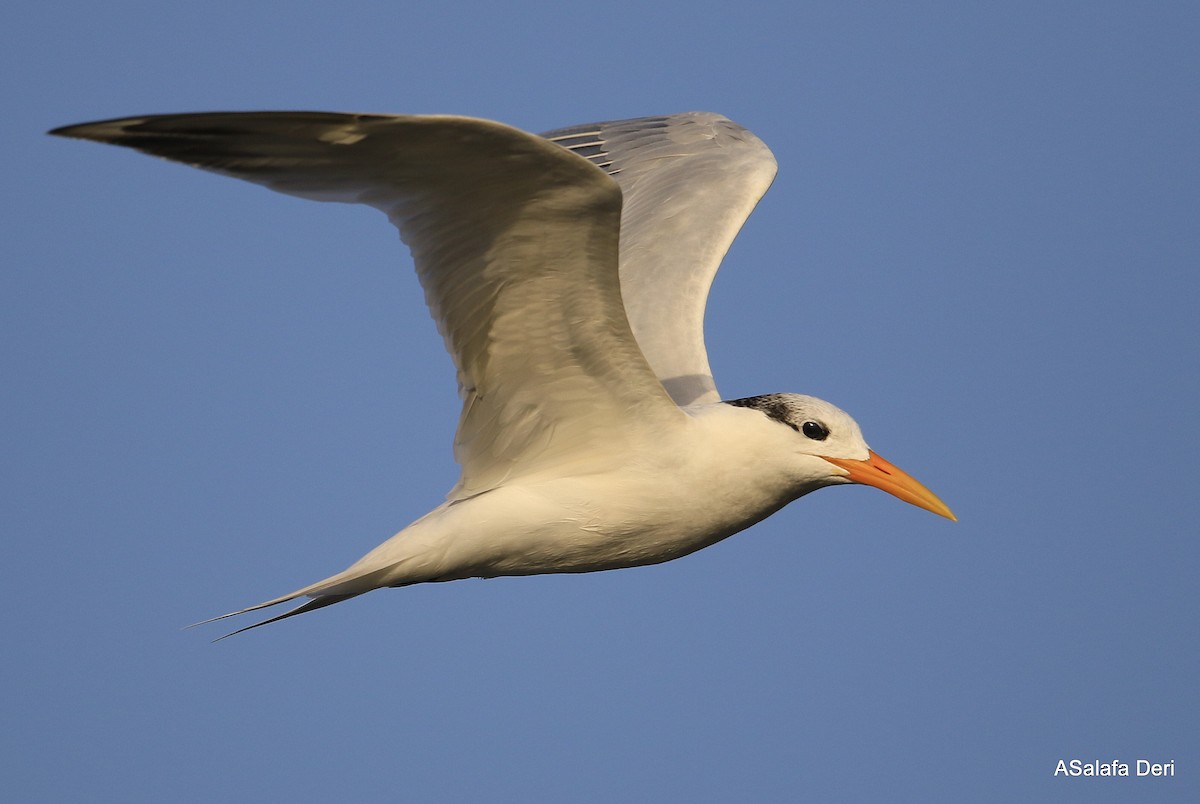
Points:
x=516, y=244
x=690, y=181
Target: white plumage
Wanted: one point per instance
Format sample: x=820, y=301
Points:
x=568, y=274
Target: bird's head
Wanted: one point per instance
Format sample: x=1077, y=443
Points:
x=832, y=449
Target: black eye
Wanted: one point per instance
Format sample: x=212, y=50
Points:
x=815, y=430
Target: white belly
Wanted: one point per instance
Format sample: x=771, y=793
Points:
x=671, y=500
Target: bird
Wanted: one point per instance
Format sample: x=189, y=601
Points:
x=568, y=273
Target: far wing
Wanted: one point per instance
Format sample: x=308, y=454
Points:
x=690, y=181
x=515, y=242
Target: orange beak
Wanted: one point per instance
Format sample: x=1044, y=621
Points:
x=877, y=472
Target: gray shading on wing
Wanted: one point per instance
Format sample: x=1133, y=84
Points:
x=515, y=242
x=690, y=181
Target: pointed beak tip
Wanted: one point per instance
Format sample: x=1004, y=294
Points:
x=885, y=476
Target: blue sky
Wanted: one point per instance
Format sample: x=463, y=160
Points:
x=982, y=243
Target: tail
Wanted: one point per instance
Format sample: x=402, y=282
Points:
x=334, y=589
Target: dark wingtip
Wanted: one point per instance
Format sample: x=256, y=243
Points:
x=62, y=131
x=100, y=130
